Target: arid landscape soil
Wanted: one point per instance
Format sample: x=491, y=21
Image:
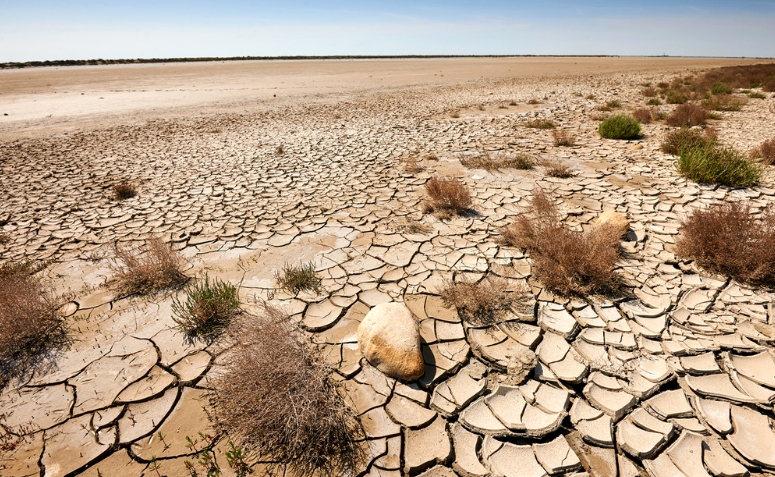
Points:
x=245, y=167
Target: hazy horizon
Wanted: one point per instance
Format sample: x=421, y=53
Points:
x=39, y=30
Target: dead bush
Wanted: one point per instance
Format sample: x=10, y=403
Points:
x=413, y=166
x=140, y=271
x=540, y=124
x=447, y=196
x=556, y=168
x=533, y=101
x=598, y=116
x=123, y=191
x=765, y=152
x=481, y=303
x=4, y=238
x=410, y=226
x=279, y=150
x=563, y=137
x=648, y=92
x=30, y=324
x=728, y=239
x=643, y=115
x=278, y=399
x=687, y=115
x=566, y=261
x=454, y=114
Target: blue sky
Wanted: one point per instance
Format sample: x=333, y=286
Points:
x=83, y=29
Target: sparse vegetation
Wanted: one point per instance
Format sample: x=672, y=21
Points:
x=533, y=101
x=279, y=150
x=620, y=127
x=29, y=321
x=123, y=191
x=490, y=162
x=598, y=116
x=686, y=138
x=711, y=163
x=728, y=239
x=688, y=114
x=410, y=226
x=208, y=307
x=480, y=303
x=646, y=116
x=448, y=196
x=765, y=152
x=728, y=102
x=541, y=124
x=757, y=95
x=648, y=92
x=4, y=238
x=155, y=268
x=563, y=137
x=556, y=168
x=454, y=114
x=413, y=166
x=719, y=87
x=565, y=261
x=298, y=278
x=653, y=102
x=674, y=97
x=613, y=104
x=279, y=401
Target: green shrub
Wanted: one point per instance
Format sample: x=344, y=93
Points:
x=654, y=102
x=620, y=127
x=711, y=163
x=720, y=87
x=294, y=279
x=674, y=97
x=614, y=104
x=725, y=103
x=208, y=307
x=757, y=95
x=683, y=138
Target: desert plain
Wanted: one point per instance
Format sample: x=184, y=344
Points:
x=247, y=166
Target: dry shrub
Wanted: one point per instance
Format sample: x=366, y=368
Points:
x=765, y=152
x=541, y=124
x=30, y=324
x=729, y=240
x=123, y=191
x=454, y=114
x=533, y=101
x=4, y=238
x=675, y=97
x=565, y=261
x=279, y=150
x=448, y=196
x=277, y=398
x=556, y=168
x=688, y=114
x=589, y=96
x=653, y=102
x=603, y=108
x=481, y=303
x=156, y=268
x=648, y=92
x=598, y=116
x=490, y=162
x=413, y=166
x=643, y=115
x=563, y=137
x=613, y=104
x=409, y=226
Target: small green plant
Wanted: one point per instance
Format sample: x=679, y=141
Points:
x=620, y=127
x=297, y=278
x=654, y=102
x=711, y=163
x=541, y=124
x=208, y=306
x=757, y=95
x=207, y=462
x=720, y=87
x=237, y=460
x=614, y=104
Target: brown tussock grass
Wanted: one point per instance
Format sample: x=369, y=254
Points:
x=278, y=399
x=411, y=226
x=598, y=116
x=563, y=137
x=647, y=115
x=567, y=262
x=541, y=124
x=686, y=115
x=30, y=323
x=481, y=303
x=765, y=152
x=123, y=191
x=556, y=168
x=413, y=166
x=155, y=268
x=728, y=239
x=448, y=196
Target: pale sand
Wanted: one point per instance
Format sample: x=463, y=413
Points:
x=43, y=101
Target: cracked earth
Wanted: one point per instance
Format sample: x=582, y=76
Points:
x=676, y=379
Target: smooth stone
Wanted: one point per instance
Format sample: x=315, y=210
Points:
x=389, y=339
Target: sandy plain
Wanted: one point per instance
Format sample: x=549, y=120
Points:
x=677, y=379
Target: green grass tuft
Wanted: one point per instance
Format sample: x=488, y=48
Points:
x=711, y=163
x=297, y=278
x=620, y=127
x=207, y=308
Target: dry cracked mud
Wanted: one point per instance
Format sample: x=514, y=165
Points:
x=676, y=379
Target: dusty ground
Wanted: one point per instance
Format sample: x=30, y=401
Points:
x=678, y=379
